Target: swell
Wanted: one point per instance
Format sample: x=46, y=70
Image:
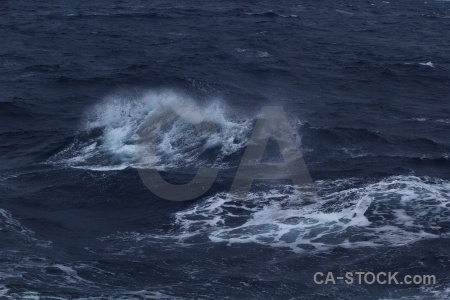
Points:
x=344, y=142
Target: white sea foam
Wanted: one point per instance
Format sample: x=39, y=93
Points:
x=113, y=295
x=68, y=277
x=435, y=291
x=161, y=129
x=420, y=119
x=345, y=12
x=395, y=211
x=3, y=290
x=10, y=226
x=428, y=64
x=423, y=119
x=8, y=222
x=253, y=53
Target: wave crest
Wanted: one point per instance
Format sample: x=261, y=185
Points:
x=161, y=129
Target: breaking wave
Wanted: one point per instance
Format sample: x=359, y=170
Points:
x=161, y=129
x=395, y=211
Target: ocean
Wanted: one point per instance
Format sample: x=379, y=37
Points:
x=95, y=92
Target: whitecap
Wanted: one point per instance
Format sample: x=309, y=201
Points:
x=161, y=129
x=394, y=211
x=253, y=53
x=345, y=12
x=428, y=64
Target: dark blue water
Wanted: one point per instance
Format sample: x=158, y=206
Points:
x=365, y=85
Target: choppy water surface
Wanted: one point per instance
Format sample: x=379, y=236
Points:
x=365, y=86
